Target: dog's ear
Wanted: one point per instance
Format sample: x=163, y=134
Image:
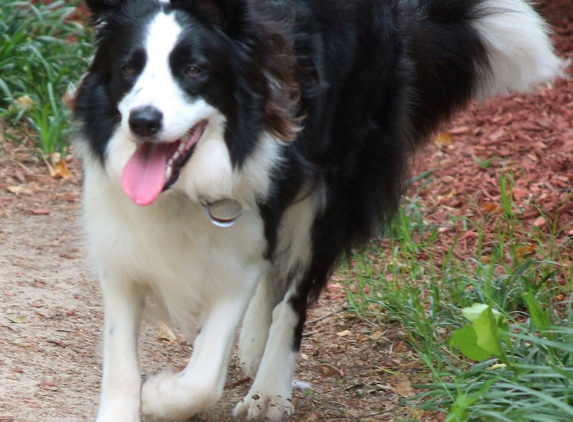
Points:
x=228, y=14
x=99, y=7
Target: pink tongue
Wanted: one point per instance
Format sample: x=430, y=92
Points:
x=143, y=177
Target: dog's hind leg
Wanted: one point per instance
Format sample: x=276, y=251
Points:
x=121, y=384
x=270, y=394
x=174, y=396
x=256, y=324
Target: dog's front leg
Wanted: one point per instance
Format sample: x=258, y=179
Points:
x=170, y=395
x=121, y=384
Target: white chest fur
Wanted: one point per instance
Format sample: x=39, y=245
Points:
x=172, y=247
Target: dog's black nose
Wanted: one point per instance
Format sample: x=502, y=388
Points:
x=145, y=121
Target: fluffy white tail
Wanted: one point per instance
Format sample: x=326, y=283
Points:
x=518, y=45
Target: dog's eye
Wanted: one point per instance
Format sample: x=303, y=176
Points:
x=128, y=69
x=192, y=71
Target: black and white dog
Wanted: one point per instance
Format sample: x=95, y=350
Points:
x=235, y=149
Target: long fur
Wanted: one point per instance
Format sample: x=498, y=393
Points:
x=313, y=111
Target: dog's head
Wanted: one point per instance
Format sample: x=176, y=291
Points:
x=187, y=94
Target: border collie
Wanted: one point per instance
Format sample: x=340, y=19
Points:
x=234, y=150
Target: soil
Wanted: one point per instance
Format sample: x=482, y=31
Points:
x=50, y=305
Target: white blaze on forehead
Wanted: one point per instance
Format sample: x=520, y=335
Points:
x=162, y=35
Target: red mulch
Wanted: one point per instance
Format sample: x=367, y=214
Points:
x=527, y=136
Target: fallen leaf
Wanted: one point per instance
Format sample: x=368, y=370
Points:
x=61, y=171
x=485, y=259
x=329, y=370
x=526, y=250
x=376, y=335
x=18, y=320
x=539, y=222
x=491, y=207
x=361, y=337
x=19, y=190
x=404, y=388
x=164, y=333
x=24, y=102
x=443, y=139
x=343, y=333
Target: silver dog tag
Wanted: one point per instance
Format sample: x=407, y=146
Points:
x=224, y=212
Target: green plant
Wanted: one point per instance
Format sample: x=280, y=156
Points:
x=535, y=380
x=42, y=51
x=424, y=284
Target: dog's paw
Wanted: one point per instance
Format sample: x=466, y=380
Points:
x=256, y=405
x=170, y=395
x=118, y=414
x=116, y=406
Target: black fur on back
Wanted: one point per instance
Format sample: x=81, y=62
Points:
x=376, y=78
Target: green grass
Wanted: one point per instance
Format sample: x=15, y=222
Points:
x=422, y=283
x=41, y=53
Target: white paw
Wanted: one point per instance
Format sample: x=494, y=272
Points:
x=118, y=407
x=255, y=405
x=169, y=395
x=117, y=414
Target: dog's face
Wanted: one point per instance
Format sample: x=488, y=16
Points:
x=178, y=97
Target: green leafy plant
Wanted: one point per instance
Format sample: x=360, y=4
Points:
x=484, y=337
x=500, y=306
x=42, y=51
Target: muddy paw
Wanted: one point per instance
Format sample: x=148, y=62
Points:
x=255, y=405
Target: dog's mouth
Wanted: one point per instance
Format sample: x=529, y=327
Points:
x=155, y=166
